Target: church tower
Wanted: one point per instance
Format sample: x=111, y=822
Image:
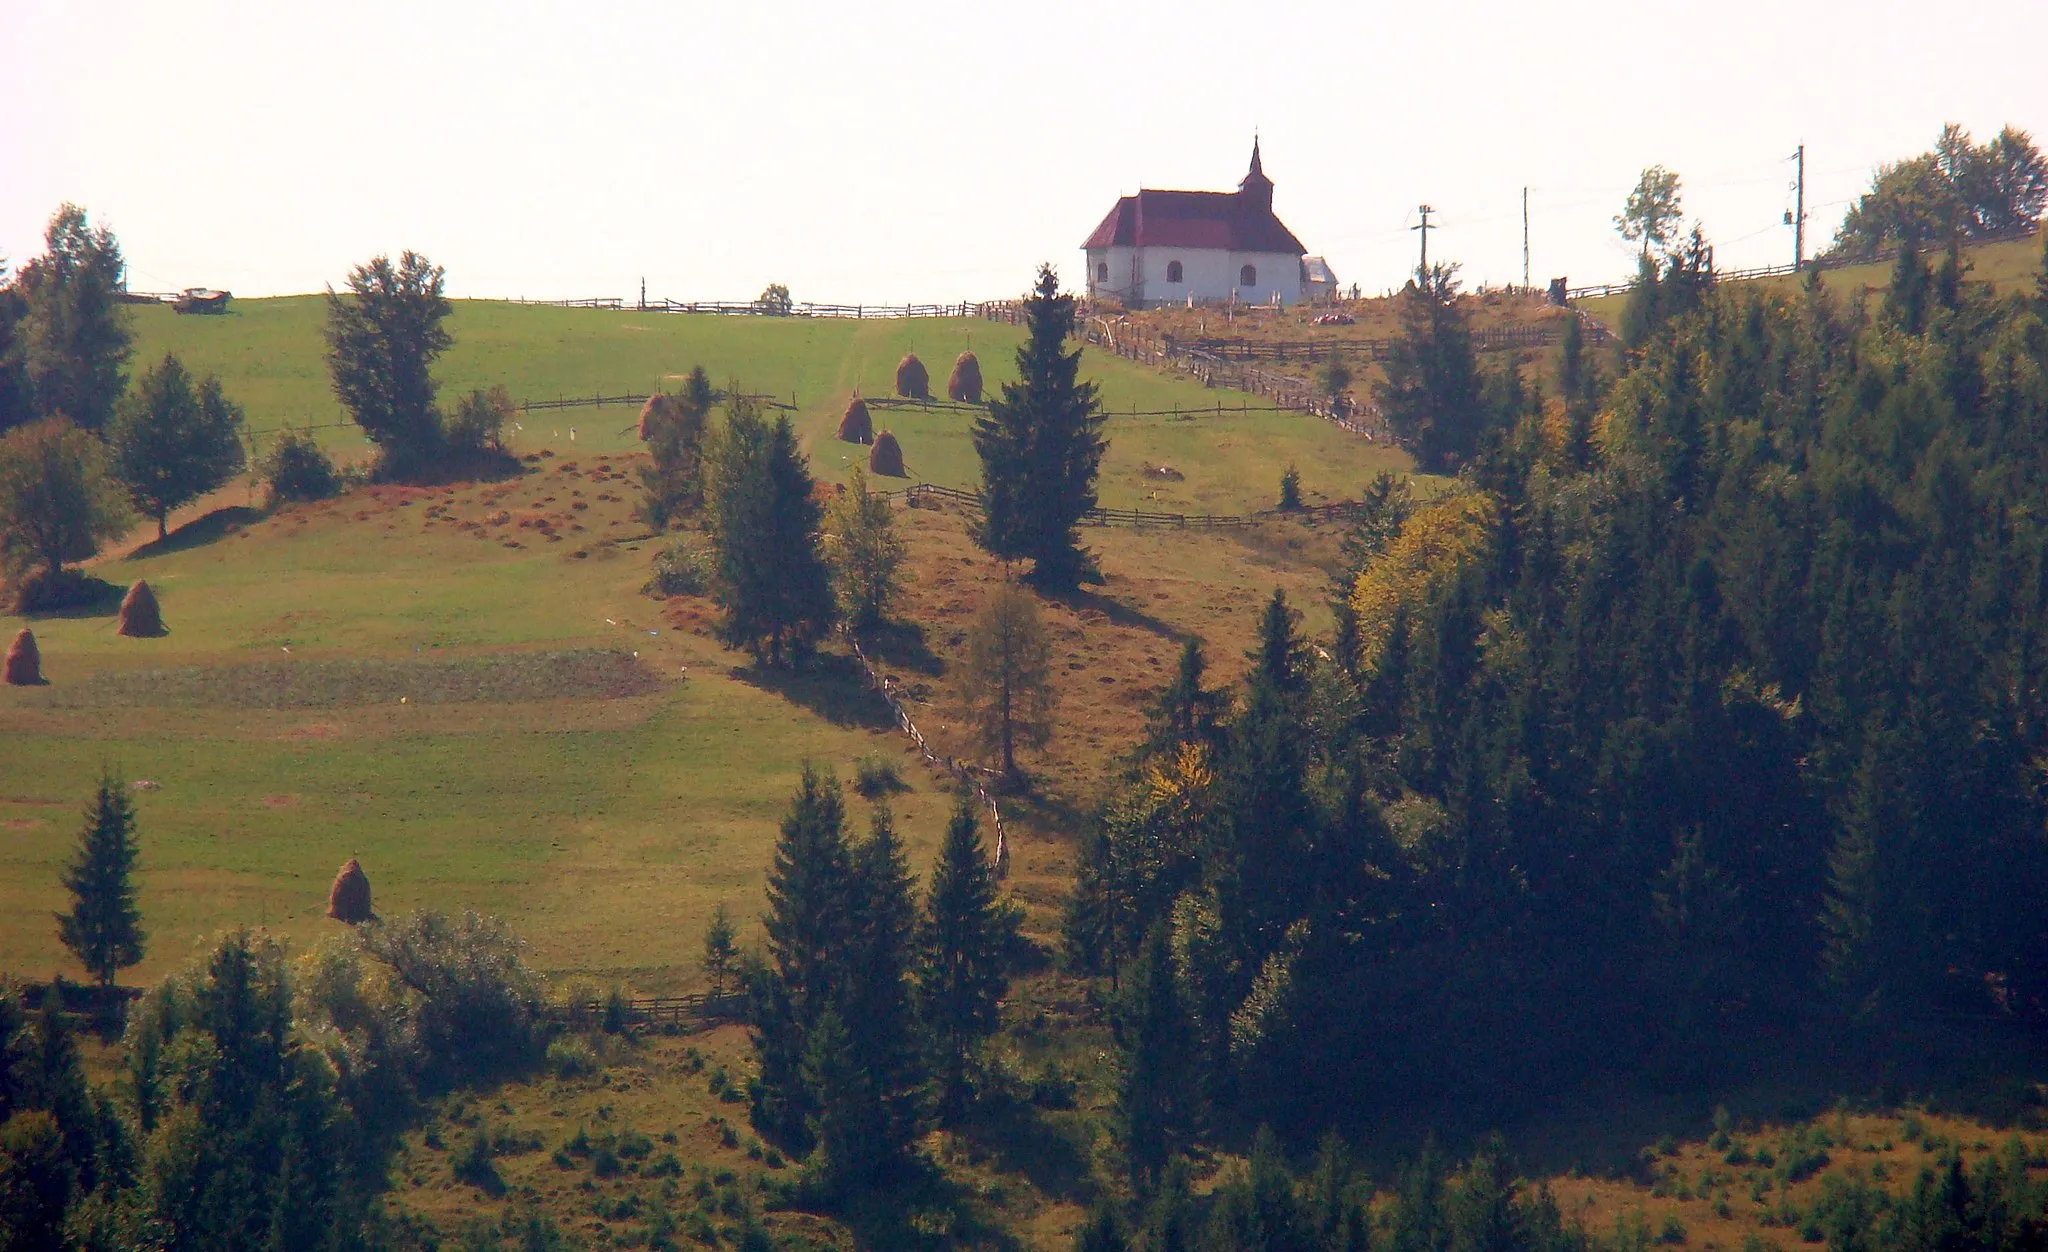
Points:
x=1256, y=191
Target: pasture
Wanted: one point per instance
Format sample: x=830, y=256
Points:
x=268, y=354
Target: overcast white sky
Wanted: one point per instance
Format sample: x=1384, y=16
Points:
x=926, y=151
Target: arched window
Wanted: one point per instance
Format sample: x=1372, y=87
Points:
x=1248, y=276
x=1102, y=271
x=1173, y=271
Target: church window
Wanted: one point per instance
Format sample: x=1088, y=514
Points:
x=1173, y=271
x=1248, y=276
x=1102, y=271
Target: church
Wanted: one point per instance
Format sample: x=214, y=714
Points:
x=1170, y=247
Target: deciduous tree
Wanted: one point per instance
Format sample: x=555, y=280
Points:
x=1651, y=215
x=383, y=337
x=73, y=339
x=174, y=442
x=866, y=552
x=1007, y=680
x=58, y=498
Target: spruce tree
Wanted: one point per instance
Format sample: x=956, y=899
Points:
x=1156, y=1103
x=1185, y=713
x=721, y=957
x=173, y=441
x=1431, y=395
x=847, y=1121
x=772, y=578
x=104, y=927
x=1040, y=445
x=875, y=1002
x=1905, y=300
x=962, y=943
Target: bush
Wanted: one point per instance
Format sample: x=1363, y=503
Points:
x=616, y=1012
x=479, y=422
x=680, y=571
x=1672, y=1231
x=296, y=469
x=1290, y=489
x=876, y=775
x=570, y=1057
x=471, y=1004
x=475, y=1167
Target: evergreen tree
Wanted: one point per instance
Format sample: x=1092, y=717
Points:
x=104, y=927
x=16, y=407
x=1578, y=385
x=1007, y=680
x=962, y=943
x=772, y=578
x=1431, y=395
x=1185, y=712
x=173, y=442
x=1156, y=1105
x=1102, y=1232
x=383, y=338
x=876, y=998
x=1040, y=445
x=72, y=341
x=1641, y=313
x=848, y=1121
x=866, y=552
x=1905, y=300
x=721, y=957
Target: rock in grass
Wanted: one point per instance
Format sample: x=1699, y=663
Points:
x=24, y=665
x=349, y=899
x=855, y=426
x=886, y=457
x=964, y=383
x=911, y=378
x=141, y=617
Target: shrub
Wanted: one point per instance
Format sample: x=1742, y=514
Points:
x=876, y=775
x=475, y=1166
x=604, y=1161
x=298, y=470
x=479, y=422
x=570, y=1057
x=680, y=571
x=616, y=1012
x=1290, y=489
x=1672, y=1231
x=472, y=1005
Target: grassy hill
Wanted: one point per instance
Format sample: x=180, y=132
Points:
x=268, y=354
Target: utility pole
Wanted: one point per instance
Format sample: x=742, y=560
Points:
x=1525, y=239
x=1425, y=210
x=1799, y=214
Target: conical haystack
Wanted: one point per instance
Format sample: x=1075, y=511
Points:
x=349, y=899
x=660, y=408
x=886, y=457
x=140, y=615
x=964, y=383
x=911, y=378
x=856, y=426
x=24, y=666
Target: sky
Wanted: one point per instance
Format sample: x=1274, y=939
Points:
x=912, y=150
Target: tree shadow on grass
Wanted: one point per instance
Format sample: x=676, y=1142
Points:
x=925, y=1209
x=901, y=645
x=1116, y=611
x=199, y=532
x=831, y=686
x=75, y=594
x=1021, y=1139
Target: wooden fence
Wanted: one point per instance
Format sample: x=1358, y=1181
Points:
x=698, y=1011
x=917, y=495
x=759, y=308
x=1823, y=262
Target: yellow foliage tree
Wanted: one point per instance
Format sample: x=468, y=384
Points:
x=1437, y=543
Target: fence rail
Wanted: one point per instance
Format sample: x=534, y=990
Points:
x=1822, y=262
x=698, y=1010
x=760, y=308
x=917, y=494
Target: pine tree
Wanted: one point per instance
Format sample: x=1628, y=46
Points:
x=1431, y=395
x=721, y=957
x=1905, y=301
x=104, y=927
x=1185, y=712
x=772, y=579
x=876, y=1007
x=174, y=442
x=962, y=946
x=1040, y=445
x=846, y=1122
x=1102, y=1232
x=1156, y=1107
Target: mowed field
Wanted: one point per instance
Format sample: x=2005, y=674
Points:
x=467, y=688
x=268, y=354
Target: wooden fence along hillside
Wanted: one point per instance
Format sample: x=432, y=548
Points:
x=926, y=495
x=690, y=1012
x=1822, y=262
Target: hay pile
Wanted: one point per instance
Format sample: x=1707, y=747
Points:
x=964, y=383
x=886, y=457
x=660, y=408
x=141, y=618
x=856, y=426
x=349, y=899
x=911, y=378
x=24, y=667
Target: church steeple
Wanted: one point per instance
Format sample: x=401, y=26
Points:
x=1257, y=190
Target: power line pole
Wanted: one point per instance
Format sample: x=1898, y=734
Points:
x=1799, y=214
x=1425, y=210
x=1525, y=239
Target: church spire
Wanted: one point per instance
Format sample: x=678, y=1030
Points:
x=1257, y=189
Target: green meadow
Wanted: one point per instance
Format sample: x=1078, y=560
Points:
x=268, y=354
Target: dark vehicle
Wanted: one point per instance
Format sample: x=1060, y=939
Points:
x=201, y=300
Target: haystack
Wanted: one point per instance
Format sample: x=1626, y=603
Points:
x=660, y=408
x=911, y=378
x=964, y=383
x=349, y=899
x=886, y=457
x=856, y=426
x=141, y=618
x=24, y=666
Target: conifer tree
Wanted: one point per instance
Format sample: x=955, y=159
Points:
x=1156, y=1103
x=1431, y=395
x=772, y=579
x=174, y=442
x=104, y=927
x=876, y=999
x=1185, y=712
x=1040, y=445
x=1905, y=301
x=866, y=552
x=962, y=946
x=847, y=1122
x=721, y=957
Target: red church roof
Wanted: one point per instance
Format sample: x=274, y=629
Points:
x=1240, y=221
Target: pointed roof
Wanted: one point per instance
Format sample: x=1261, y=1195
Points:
x=1239, y=221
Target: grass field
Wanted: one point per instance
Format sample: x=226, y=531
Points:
x=268, y=355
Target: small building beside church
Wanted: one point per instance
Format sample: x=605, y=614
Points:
x=1173, y=247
